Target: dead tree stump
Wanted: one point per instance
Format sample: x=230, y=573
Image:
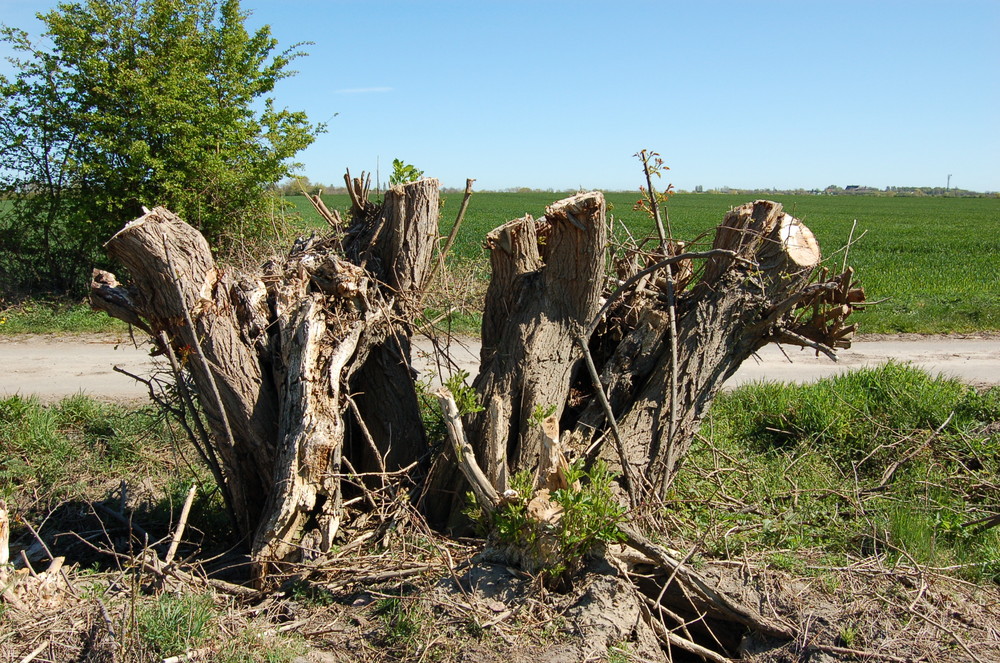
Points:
x=661, y=348
x=302, y=371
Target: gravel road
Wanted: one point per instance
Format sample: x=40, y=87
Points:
x=53, y=367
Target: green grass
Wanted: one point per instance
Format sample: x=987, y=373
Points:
x=935, y=260
x=171, y=624
x=57, y=450
x=55, y=316
x=796, y=471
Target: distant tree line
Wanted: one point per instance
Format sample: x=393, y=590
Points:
x=854, y=190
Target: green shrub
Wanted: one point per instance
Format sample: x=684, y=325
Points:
x=589, y=518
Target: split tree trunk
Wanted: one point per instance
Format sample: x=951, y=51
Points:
x=662, y=348
x=295, y=369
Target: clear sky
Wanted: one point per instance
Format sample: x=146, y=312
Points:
x=561, y=94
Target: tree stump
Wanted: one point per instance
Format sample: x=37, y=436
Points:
x=303, y=370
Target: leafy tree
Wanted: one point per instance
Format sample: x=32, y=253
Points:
x=137, y=103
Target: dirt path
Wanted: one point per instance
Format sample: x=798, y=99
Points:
x=53, y=367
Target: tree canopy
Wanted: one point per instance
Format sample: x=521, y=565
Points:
x=122, y=105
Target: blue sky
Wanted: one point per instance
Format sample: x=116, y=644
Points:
x=554, y=94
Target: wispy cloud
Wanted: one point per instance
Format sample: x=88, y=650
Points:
x=363, y=90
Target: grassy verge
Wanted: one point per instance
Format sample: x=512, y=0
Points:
x=55, y=316
x=64, y=450
x=886, y=462
x=880, y=469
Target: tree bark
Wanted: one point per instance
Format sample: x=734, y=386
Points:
x=724, y=318
x=654, y=338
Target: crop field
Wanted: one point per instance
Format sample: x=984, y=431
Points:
x=933, y=263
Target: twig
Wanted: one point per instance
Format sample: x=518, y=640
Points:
x=739, y=613
x=847, y=249
x=631, y=482
x=672, y=424
x=948, y=631
x=111, y=629
x=199, y=353
x=33, y=655
x=984, y=523
x=675, y=640
x=48, y=552
x=454, y=230
x=654, y=205
x=181, y=524
x=152, y=563
x=485, y=492
x=857, y=653
x=797, y=339
x=665, y=243
x=202, y=444
x=365, y=433
x=889, y=471
x=137, y=529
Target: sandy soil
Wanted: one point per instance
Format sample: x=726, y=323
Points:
x=52, y=367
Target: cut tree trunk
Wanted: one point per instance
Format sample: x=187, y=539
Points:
x=661, y=348
x=725, y=317
x=296, y=371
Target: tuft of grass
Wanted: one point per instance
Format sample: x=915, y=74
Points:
x=171, y=624
x=403, y=620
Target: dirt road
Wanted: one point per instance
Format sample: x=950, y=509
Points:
x=52, y=367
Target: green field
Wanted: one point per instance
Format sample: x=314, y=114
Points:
x=936, y=261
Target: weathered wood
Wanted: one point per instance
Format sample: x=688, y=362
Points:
x=662, y=352
x=4, y=534
x=768, y=255
x=174, y=278
x=548, y=277
x=273, y=359
x=306, y=368
x=465, y=456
